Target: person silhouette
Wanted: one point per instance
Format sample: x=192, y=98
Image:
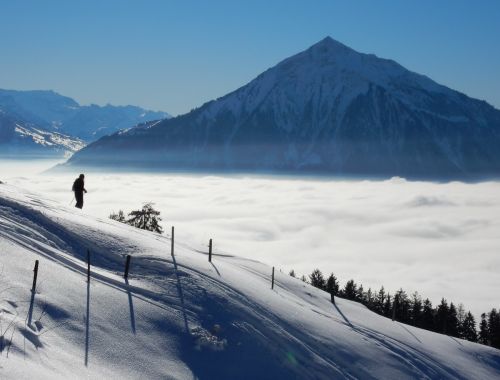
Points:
x=79, y=189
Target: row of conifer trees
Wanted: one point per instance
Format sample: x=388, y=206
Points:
x=445, y=318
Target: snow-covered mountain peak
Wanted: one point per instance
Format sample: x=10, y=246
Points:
x=332, y=59
x=329, y=46
x=329, y=72
x=328, y=108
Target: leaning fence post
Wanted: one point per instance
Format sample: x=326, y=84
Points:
x=210, y=251
x=127, y=266
x=272, y=279
x=35, y=275
x=88, y=265
x=172, y=242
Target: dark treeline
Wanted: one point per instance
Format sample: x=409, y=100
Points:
x=445, y=318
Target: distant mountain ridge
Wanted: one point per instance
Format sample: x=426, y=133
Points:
x=328, y=109
x=22, y=139
x=58, y=113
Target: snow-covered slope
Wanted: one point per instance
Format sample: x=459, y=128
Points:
x=327, y=109
x=19, y=139
x=182, y=317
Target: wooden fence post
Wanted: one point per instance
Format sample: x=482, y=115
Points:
x=127, y=266
x=272, y=280
x=172, y=242
x=32, y=301
x=35, y=275
x=210, y=251
x=88, y=265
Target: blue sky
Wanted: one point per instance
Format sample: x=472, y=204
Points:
x=175, y=55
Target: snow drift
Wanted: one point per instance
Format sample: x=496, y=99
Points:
x=182, y=317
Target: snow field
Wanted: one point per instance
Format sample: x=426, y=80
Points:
x=182, y=317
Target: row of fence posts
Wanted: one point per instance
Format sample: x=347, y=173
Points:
x=332, y=295
x=127, y=269
x=127, y=262
x=127, y=265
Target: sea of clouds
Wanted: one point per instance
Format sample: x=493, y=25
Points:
x=441, y=240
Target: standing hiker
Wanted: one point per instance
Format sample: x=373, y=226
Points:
x=79, y=188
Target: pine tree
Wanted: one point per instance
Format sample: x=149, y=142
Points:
x=402, y=306
x=379, y=301
x=387, y=310
x=350, y=290
x=415, y=309
x=292, y=273
x=317, y=279
x=483, y=330
x=452, y=321
x=468, y=328
x=494, y=328
x=442, y=317
x=461, y=315
x=146, y=219
x=368, y=299
x=427, y=320
x=120, y=217
x=332, y=285
x=360, y=294
x=304, y=279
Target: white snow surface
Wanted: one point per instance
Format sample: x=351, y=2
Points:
x=49, y=139
x=182, y=317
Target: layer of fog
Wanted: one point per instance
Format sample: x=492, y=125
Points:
x=439, y=239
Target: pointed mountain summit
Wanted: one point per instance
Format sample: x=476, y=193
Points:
x=328, y=109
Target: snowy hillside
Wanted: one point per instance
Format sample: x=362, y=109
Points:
x=327, y=109
x=19, y=138
x=182, y=317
